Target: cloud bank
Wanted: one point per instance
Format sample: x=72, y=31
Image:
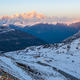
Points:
x=31, y=18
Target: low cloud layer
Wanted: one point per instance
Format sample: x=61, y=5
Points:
x=31, y=18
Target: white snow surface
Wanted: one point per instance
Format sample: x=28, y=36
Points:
x=40, y=59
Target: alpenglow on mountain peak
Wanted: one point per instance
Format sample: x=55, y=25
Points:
x=31, y=18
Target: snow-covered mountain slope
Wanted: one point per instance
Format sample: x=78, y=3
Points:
x=46, y=62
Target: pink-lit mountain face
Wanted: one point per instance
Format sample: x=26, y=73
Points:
x=31, y=18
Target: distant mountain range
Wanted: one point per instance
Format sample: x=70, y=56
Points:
x=31, y=18
x=49, y=32
x=12, y=39
x=50, y=29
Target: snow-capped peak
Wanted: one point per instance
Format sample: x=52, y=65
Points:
x=31, y=18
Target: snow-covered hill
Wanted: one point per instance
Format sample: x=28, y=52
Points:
x=46, y=62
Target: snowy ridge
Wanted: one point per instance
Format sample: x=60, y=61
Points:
x=46, y=62
x=5, y=29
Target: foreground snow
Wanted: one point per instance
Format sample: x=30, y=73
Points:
x=36, y=63
x=41, y=72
